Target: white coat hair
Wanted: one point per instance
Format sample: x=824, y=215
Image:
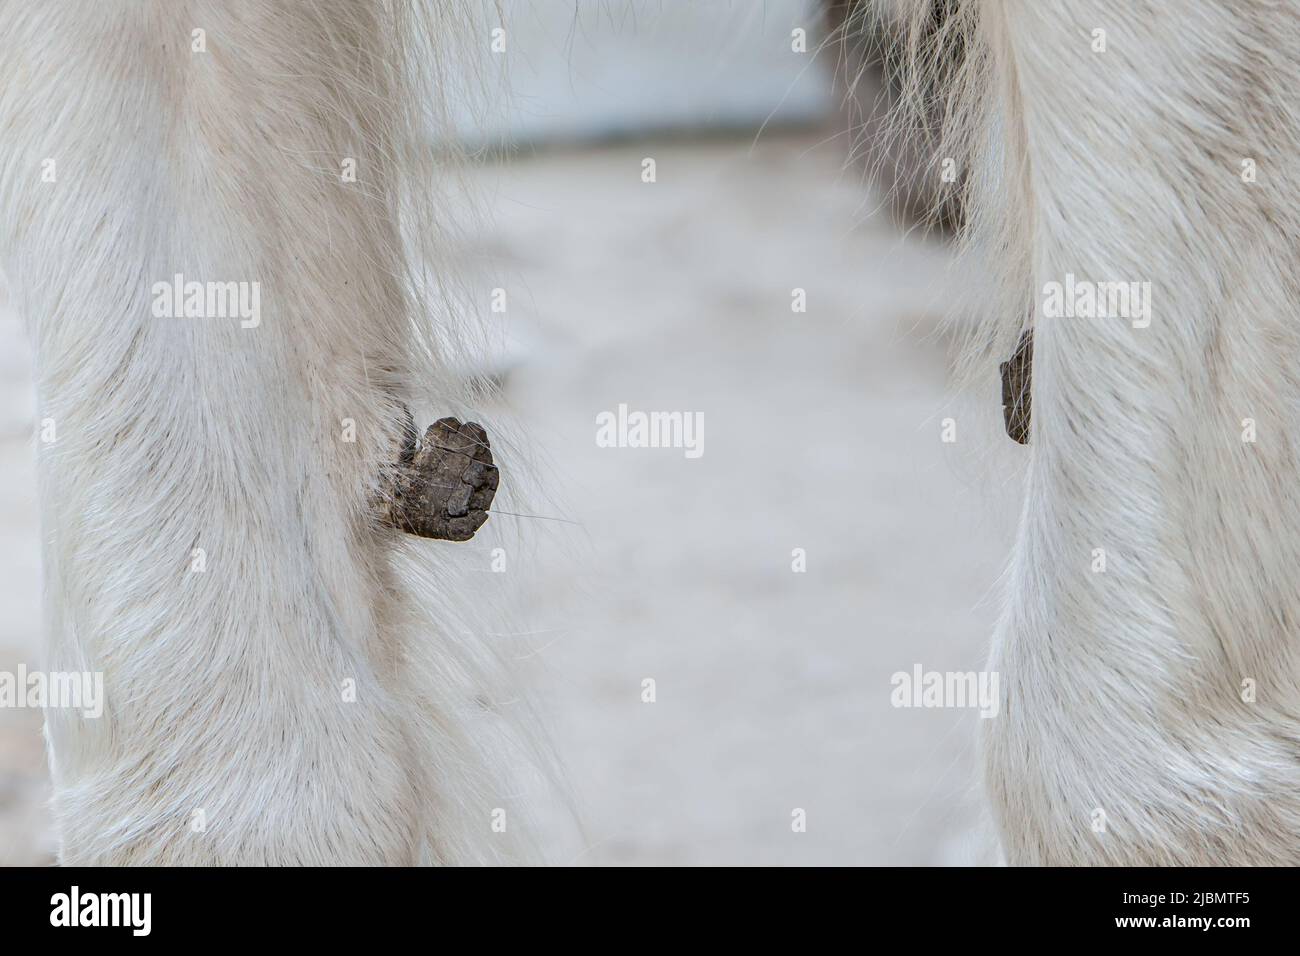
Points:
x=1151, y=710
x=287, y=681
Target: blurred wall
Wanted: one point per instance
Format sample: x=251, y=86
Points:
x=593, y=69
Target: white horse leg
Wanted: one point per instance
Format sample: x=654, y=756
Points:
x=1150, y=670
x=1151, y=711
x=211, y=544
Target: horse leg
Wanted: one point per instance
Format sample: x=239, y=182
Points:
x=1151, y=710
x=211, y=543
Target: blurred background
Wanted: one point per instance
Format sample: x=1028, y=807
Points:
x=822, y=433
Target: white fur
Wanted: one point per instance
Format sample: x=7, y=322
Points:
x=1122, y=691
x=225, y=688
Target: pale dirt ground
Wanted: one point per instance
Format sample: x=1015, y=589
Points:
x=821, y=433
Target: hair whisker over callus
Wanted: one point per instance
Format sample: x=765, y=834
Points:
x=513, y=514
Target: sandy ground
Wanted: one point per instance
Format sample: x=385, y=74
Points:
x=821, y=433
